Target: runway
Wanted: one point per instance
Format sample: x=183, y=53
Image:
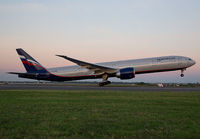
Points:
x=94, y=87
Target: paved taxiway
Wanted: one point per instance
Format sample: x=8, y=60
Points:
x=88, y=87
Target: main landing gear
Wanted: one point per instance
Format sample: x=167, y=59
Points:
x=182, y=72
x=105, y=81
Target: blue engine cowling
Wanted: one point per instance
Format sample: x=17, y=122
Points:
x=126, y=73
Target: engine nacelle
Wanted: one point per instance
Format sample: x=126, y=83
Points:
x=126, y=73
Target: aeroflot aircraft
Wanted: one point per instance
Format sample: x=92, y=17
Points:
x=126, y=69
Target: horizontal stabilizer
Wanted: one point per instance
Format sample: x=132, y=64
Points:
x=13, y=73
x=32, y=75
x=18, y=73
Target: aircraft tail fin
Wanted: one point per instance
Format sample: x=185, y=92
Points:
x=30, y=64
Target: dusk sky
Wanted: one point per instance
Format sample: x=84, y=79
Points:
x=100, y=31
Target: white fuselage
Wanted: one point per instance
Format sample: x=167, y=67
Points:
x=146, y=65
x=126, y=69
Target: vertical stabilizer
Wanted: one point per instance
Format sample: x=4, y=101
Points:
x=30, y=64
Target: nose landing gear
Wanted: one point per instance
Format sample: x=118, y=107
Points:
x=182, y=72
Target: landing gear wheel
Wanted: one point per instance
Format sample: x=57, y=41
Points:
x=182, y=75
x=104, y=83
x=182, y=71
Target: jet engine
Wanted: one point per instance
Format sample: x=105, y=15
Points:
x=126, y=73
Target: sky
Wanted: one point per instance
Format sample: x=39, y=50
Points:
x=100, y=31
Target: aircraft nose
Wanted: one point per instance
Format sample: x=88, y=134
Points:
x=193, y=62
x=190, y=62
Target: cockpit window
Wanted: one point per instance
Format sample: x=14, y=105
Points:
x=189, y=59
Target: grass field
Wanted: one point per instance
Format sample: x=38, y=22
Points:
x=99, y=114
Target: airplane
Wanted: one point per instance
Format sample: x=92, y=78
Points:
x=126, y=69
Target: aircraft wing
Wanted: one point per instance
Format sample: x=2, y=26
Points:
x=96, y=68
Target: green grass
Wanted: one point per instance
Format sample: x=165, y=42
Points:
x=99, y=114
